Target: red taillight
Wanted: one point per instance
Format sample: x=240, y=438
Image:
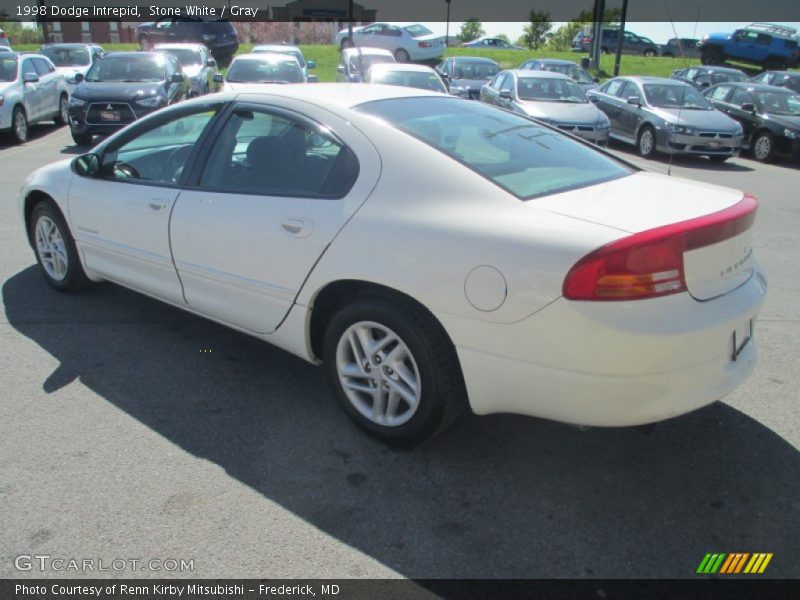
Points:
x=425, y=44
x=3, y=35
x=650, y=263
x=586, y=40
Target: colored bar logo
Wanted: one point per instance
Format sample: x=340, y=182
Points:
x=734, y=563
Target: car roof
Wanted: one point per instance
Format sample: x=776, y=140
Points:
x=264, y=57
x=369, y=51
x=329, y=95
x=274, y=47
x=476, y=59
x=553, y=61
x=718, y=69
x=177, y=46
x=131, y=53
x=785, y=73
x=539, y=74
x=402, y=67
x=643, y=79
x=69, y=45
x=758, y=87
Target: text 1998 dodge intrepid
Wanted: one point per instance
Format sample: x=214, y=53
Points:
x=434, y=253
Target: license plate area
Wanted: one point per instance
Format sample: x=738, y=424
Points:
x=109, y=115
x=740, y=338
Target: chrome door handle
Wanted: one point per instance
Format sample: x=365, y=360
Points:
x=298, y=226
x=157, y=206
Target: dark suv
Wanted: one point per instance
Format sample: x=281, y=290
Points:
x=218, y=36
x=631, y=43
x=677, y=47
x=770, y=46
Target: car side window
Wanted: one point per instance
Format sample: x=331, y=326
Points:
x=630, y=90
x=158, y=155
x=720, y=92
x=27, y=68
x=41, y=67
x=264, y=152
x=741, y=97
x=613, y=87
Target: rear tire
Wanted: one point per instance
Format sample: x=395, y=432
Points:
x=401, y=56
x=774, y=64
x=81, y=139
x=55, y=249
x=63, y=111
x=404, y=391
x=650, y=53
x=646, y=142
x=346, y=43
x=711, y=56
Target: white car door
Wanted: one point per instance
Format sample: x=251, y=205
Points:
x=274, y=191
x=31, y=91
x=48, y=84
x=120, y=217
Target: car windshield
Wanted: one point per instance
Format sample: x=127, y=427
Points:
x=362, y=62
x=779, y=103
x=475, y=70
x=67, y=57
x=127, y=68
x=727, y=77
x=573, y=71
x=185, y=56
x=290, y=51
x=675, y=96
x=417, y=30
x=516, y=153
x=8, y=69
x=548, y=89
x=416, y=79
x=267, y=71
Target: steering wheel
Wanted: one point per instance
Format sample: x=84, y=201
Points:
x=173, y=167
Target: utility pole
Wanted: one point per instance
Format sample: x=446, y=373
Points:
x=622, y=18
x=447, y=30
x=597, y=33
x=350, y=22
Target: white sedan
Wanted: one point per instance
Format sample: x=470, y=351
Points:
x=405, y=42
x=511, y=269
x=265, y=67
x=406, y=75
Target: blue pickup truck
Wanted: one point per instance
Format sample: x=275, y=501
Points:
x=764, y=44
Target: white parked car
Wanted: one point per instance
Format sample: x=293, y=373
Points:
x=405, y=42
x=406, y=75
x=71, y=59
x=515, y=269
x=197, y=64
x=30, y=91
x=355, y=62
x=292, y=51
x=265, y=67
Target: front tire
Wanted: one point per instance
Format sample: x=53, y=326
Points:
x=63, y=111
x=81, y=139
x=19, y=125
x=646, y=143
x=394, y=370
x=55, y=249
x=764, y=146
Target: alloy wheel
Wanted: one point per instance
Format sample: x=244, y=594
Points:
x=378, y=373
x=20, y=126
x=646, y=142
x=762, y=147
x=51, y=248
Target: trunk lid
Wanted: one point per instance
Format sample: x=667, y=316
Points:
x=716, y=223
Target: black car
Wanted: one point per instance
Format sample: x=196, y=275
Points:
x=122, y=87
x=703, y=77
x=770, y=116
x=681, y=47
x=787, y=79
x=631, y=43
x=465, y=75
x=218, y=36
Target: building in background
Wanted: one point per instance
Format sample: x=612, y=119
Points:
x=97, y=32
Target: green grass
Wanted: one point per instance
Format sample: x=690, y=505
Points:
x=327, y=57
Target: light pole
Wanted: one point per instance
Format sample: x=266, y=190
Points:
x=447, y=29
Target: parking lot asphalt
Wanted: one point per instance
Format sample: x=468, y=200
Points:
x=130, y=429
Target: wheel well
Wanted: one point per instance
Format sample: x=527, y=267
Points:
x=33, y=199
x=335, y=294
x=642, y=126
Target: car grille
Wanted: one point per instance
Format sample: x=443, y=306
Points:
x=573, y=128
x=126, y=114
x=714, y=134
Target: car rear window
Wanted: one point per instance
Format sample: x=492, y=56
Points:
x=518, y=154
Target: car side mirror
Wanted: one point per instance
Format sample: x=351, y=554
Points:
x=340, y=69
x=749, y=107
x=211, y=62
x=313, y=79
x=505, y=94
x=592, y=98
x=635, y=101
x=176, y=78
x=87, y=165
x=78, y=77
x=310, y=64
x=218, y=78
x=30, y=78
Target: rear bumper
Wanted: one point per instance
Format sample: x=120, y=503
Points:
x=611, y=364
x=418, y=53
